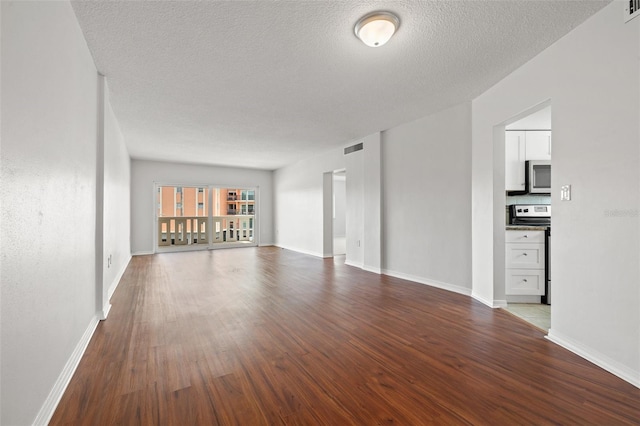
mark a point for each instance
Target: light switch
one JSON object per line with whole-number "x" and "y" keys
{"x": 565, "y": 193}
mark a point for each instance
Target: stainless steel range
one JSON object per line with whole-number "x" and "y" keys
{"x": 530, "y": 214}
{"x": 536, "y": 215}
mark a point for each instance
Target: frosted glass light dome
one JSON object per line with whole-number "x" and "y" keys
{"x": 375, "y": 29}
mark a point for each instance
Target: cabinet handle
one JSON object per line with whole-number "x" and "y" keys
{"x": 524, "y": 254}
{"x": 524, "y": 279}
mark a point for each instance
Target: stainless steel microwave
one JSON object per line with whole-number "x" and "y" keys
{"x": 538, "y": 177}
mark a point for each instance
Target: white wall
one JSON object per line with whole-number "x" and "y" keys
{"x": 145, "y": 173}
{"x": 364, "y": 205}
{"x": 355, "y": 208}
{"x": 372, "y": 203}
{"x": 299, "y": 193}
{"x": 426, "y": 171}
{"x": 116, "y": 207}
{"x": 591, "y": 77}
{"x": 49, "y": 128}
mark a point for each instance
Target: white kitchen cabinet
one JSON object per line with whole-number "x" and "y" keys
{"x": 514, "y": 161}
{"x": 520, "y": 146}
{"x": 524, "y": 282}
{"x": 525, "y": 263}
{"x": 516, "y": 236}
{"x": 538, "y": 145}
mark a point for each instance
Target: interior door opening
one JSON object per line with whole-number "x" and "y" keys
{"x": 527, "y": 282}
{"x": 339, "y": 213}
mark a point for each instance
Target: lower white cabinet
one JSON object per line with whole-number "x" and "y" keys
{"x": 525, "y": 263}
{"x": 524, "y": 282}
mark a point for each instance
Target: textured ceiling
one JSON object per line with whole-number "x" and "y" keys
{"x": 261, "y": 84}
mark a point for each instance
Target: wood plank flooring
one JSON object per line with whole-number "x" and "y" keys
{"x": 258, "y": 336}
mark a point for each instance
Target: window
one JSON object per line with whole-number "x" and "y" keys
{"x": 180, "y": 210}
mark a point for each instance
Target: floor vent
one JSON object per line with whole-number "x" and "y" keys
{"x": 358, "y": 146}
{"x": 631, "y": 9}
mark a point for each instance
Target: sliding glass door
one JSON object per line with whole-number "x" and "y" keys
{"x": 205, "y": 217}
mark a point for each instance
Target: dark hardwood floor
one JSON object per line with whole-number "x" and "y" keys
{"x": 257, "y": 336}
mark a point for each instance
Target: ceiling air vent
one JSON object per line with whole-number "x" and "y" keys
{"x": 358, "y": 146}
{"x": 631, "y": 9}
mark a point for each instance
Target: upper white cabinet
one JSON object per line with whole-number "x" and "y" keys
{"x": 514, "y": 161}
{"x": 538, "y": 145}
{"x": 520, "y": 146}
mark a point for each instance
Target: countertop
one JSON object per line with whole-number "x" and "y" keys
{"x": 525, "y": 228}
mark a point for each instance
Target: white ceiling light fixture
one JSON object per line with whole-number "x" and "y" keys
{"x": 376, "y": 28}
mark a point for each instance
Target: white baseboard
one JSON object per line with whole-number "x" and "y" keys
{"x": 51, "y": 403}
{"x": 112, "y": 288}
{"x": 310, "y": 253}
{"x": 142, "y": 253}
{"x": 601, "y": 360}
{"x": 497, "y": 303}
{"x": 523, "y": 299}
{"x": 105, "y": 311}
{"x": 375, "y": 270}
{"x": 354, "y": 264}
{"x": 481, "y": 299}
{"x": 266, "y": 245}
{"x": 427, "y": 281}
{"x": 116, "y": 281}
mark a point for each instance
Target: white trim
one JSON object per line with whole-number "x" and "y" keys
{"x": 599, "y": 359}
{"x": 354, "y": 264}
{"x": 430, "y": 282}
{"x": 482, "y": 300}
{"x": 142, "y": 253}
{"x": 497, "y": 303}
{"x": 310, "y": 253}
{"x": 116, "y": 280}
{"x": 50, "y": 404}
{"x": 266, "y": 245}
{"x": 374, "y": 269}
{"x": 105, "y": 311}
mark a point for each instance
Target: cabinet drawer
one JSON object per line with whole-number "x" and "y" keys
{"x": 524, "y": 256}
{"x": 524, "y": 282}
{"x": 524, "y": 237}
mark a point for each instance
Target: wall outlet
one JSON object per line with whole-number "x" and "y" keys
{"x": 565, "y": 193}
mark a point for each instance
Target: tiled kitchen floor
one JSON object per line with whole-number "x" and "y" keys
{"x": 536, "y": 314}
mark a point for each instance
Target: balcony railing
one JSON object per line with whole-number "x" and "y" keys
{"x": 181, "y": 231}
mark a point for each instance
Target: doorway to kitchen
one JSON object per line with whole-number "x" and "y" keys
{"x": 339, "y": 213}
{"x": 334, "y": 215}
{"x": 528, "y": 144}
{"x": 204, "y": 217}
